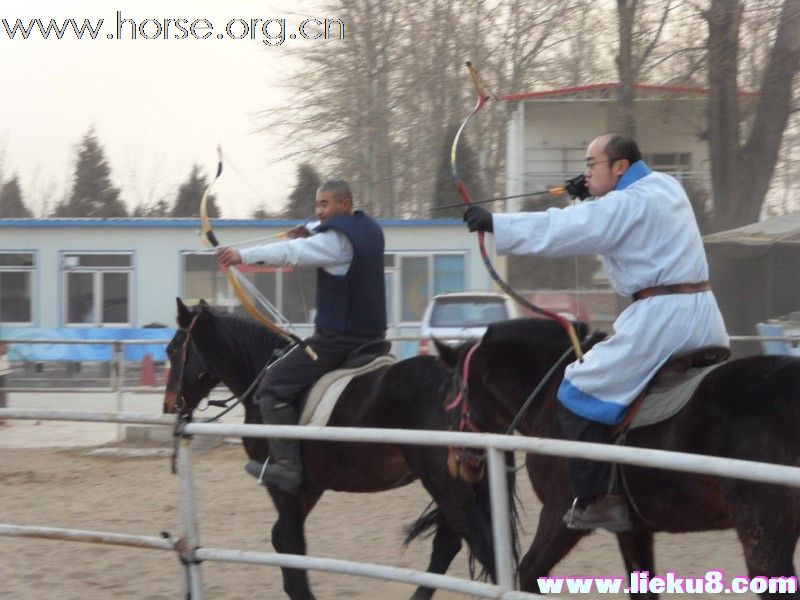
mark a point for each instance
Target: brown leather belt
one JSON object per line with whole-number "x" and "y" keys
{"x": 675, "y": 288}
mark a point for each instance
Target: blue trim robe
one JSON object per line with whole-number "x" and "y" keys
{"x": 646, "y": 235}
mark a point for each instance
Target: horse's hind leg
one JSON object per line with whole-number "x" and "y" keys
{"x": 552, "y": 542}
{"x": 288, "y": 537}
{"x": 637, "y": 552}
{"x": 446, "y": 544}
{"x": 769, "y": 537}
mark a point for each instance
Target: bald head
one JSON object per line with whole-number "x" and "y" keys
{"x": 607, "y": 158}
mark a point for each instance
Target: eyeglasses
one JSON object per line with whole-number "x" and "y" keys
{"x": 591, "y": 163}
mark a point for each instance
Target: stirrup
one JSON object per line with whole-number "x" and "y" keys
{"x": 570, "y": 513}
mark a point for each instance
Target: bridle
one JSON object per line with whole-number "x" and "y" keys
{"x": 473, "y": 458}
{"x": 462, "y": 399}
{"x": 206, "y": 373}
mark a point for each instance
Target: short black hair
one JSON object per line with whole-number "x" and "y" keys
{"x": 339, "y": 187}
{"x": 621, "y": 146}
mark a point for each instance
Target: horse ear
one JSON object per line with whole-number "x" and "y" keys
{"x": 203, "y": 302}
{"x": 184, "y": 314}
{"x": 447, "y": 354}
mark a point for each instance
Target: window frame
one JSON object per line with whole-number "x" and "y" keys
{"x": 97, "y": 273}
{"x": 32, "y": 270}
{"x": 431, "y": 274}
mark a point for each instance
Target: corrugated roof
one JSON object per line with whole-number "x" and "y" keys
{"x": 599, "y": 90}
{"x": 784, "y": 229}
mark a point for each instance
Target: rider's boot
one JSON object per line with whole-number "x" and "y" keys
{"x": 283, "y": 469}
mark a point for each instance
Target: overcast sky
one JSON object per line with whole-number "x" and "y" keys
{"x": 157, "y": 105}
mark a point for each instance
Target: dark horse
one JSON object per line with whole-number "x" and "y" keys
{"x": 211, "y": 347}
{"x": 746, "y": 409}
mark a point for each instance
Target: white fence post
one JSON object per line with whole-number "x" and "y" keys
{"x": 190, "y": 535}
{"x": 119, "y": 382}
{"x": 501, "y": 519}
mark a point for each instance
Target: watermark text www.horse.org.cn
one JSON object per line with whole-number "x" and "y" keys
{"x": 640, "y": 582}
{"x": 270, "y": 31}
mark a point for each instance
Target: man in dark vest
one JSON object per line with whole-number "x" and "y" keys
{"x": 347, "y": 249}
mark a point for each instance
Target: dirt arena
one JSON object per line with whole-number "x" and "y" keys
{"x": 129, "y": 489}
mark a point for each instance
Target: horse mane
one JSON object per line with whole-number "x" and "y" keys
{"x": 543, "y": 332}
{"x": 246, "y": 336}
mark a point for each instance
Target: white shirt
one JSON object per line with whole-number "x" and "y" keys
{"x": 330, "y": 250}
{"x": 5, "y": 365}
{"x": 646, "y": 235}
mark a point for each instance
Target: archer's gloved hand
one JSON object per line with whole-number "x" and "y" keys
{"x": 576, "y": 187}
{"x": 478, "y": 218}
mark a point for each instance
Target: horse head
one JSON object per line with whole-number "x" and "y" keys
{"x": 191, "y": 379}
{"x": 484, "y": 393}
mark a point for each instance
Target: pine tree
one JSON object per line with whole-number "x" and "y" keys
{"x": 445, "y": 192}
{"x": 11, "y": 205}
{"x": 301, "y": 200}
{"x": 157, "y": 210}
{"x": 189, "y": 195}
{"x": 93, "y": 194}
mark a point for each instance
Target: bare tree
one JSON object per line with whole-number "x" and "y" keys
{"x": 376, "y": 109}
{"x": 741, "y": 173}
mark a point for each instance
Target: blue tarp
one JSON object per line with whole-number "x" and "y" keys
{"x": 85, "y": 352}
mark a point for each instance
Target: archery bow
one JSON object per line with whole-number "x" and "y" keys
{"x": 566, "y": 324}
{"x": 237, "y": 280}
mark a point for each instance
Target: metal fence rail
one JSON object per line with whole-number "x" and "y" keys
{"x": 495, "y": 444}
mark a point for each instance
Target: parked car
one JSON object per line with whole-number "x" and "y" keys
{"x": 454, "y": 317}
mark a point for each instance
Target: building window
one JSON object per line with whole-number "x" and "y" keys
{"x": 97, "y": 288}
{"x": 292, "y": 291}
{"x": 16, "y": 287}
{"x": 299, "y": 294}
{"x": 420, "y": 278}
{"x": 669, "y": 161}
{"x": 411, "y": 280}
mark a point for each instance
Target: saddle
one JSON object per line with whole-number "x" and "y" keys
{"x": 671, "y": 388}
{"x": 321, "y": 399}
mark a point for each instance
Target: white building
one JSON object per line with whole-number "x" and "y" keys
{"x": 126, "y": 273}
{"x": 549, "y": 132}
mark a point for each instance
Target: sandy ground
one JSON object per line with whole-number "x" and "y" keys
{"x": 73, "y": 475}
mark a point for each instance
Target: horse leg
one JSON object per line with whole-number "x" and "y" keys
{"x": 446, "y": 544}
{"x": 552, "y": 542}
{"x": 768, "y": 547}
{"x": 637, "y": 552}
{"x": 288, "y": 537}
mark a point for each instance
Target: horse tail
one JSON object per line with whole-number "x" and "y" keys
{"x": 424, "y": 525}
{"x": 483, "y": 498}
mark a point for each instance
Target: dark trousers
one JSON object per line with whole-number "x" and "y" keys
{"x": 292, "y": 374}
{"x": 590, "y": 479}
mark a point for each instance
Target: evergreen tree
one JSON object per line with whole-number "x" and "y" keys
{"x": 11, "y": 205}
{"x": 301, "y": 200}
{"x": 445, "y": 192}
{"x": 93, "y": 194}
{"x": 264, "y": 213}
{"x": 158, "y": 210}
{"x": 189, "y": 195}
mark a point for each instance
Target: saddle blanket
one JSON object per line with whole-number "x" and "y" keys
{"x": 325, "y": 393}
{"x": 661, "y": 403}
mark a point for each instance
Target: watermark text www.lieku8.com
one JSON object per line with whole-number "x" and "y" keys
{"x": 641, "y": 582}
{"x": 271, "y": 32}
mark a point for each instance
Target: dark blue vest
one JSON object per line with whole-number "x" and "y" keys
{"x": 354, "y": 303}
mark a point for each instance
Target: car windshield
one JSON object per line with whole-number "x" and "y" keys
{"x": 467, "y": 312}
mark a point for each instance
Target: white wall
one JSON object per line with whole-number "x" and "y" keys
{"x": 157, "y": 252}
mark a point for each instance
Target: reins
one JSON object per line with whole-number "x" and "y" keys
{"x": 529, "y": 400}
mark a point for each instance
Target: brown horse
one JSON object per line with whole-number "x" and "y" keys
{"x": 746, "y": 409}
{"x": 211, "y": 347}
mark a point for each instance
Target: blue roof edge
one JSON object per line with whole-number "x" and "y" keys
{"x": 194, "y": 223}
